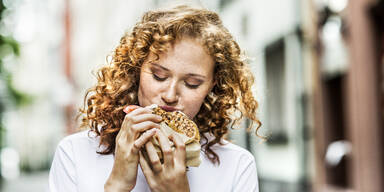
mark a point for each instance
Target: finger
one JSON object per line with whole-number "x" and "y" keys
{"x": 180, "y": 148}
{"x": 165, "y": 148}
{"x": 130, "y": 108}
{"x": 143, "y": 126}
{"x": 147, "y": 117}
{"x": 128, "y": 119}
{"x": 153, "y": 157}
{"x": 138, "y": 111}
{"x": 144, "y": 138}
{"x": 145, "y": 166}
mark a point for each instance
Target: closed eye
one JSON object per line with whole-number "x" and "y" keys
{"x": 193, "y": 83}
{"x": 158, "y": 78}
{"x": 191, "y": 86}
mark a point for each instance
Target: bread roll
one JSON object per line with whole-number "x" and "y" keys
{"x": 178, "y": 123}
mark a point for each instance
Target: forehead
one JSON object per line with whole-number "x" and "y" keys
{"x": 186, "y": 55}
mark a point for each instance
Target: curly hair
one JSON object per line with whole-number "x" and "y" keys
{"x": 118, "y": 82}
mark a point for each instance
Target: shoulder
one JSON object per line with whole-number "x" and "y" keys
{"x": 73, "y": 154}
{"x": 83, "y": 140}
{"x": 244, "y": 167}
{"x": 232, "y": 157}
{"x": 232, "y": 150}
{"x": 86, "y": 135}
{"x": 227, "y": 149}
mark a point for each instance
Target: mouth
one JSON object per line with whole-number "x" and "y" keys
{"x": 168, "y": 108}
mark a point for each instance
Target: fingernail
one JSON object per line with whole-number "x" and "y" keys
{"x": 130, "y": 108}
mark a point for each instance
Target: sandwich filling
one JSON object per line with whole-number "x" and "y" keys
{"x": 179, "y": 122}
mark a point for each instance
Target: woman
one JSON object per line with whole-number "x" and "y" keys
{"x": 183, "y": 59}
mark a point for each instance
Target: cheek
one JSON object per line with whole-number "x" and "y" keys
{"x": 147, "y": 90}
{"x": 193, "y": 102}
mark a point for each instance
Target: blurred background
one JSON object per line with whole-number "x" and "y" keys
{"x": 319, "y": 68}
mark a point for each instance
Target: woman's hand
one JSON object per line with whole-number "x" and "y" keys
{"x": 129, "y": 141}
{"x": 171, "y": 175}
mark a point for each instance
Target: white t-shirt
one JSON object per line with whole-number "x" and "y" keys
{"x": 77, "y": 167}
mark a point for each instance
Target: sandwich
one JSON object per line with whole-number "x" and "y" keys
{"x": 178, "y": 123}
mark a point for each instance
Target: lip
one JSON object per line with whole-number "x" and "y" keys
{"x": 169, "y": 108}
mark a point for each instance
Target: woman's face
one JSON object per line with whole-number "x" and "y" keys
{"x": 179, "y": 80}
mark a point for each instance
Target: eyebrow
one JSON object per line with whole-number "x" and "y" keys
{"x": 188, "y": 74}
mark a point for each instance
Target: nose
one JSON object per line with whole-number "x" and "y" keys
{"x": 170, "y": 96}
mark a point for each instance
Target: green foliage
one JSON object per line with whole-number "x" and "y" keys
{"x": 9, "y": 95}
{"x": 10, "y": 42}
{"x": 8, "y": 46}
